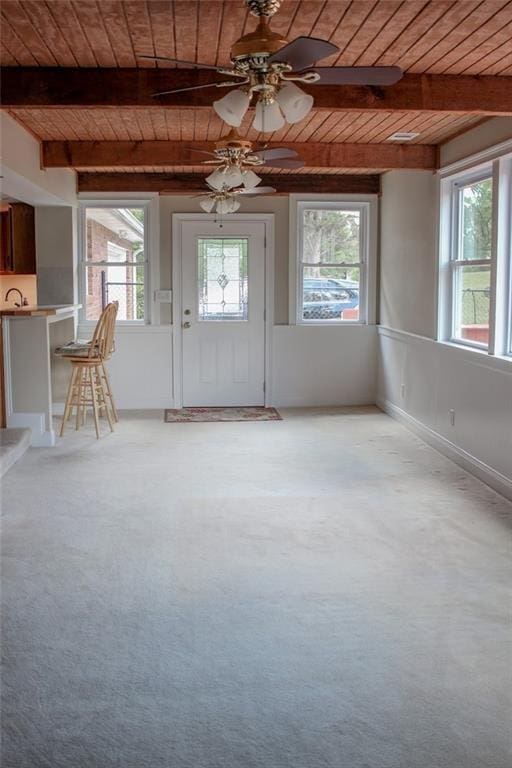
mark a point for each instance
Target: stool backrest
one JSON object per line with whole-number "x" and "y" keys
{"x": 102, "y": 344}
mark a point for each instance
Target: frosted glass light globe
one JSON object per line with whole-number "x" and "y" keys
{"x": 250, "y": 179}
{"x": 207, "y": 204}
{"x": 294, "y": 102}
{"x": 217, "y": 179}
{"x": 268, "y": 117}
{"x": 232, "y": 107}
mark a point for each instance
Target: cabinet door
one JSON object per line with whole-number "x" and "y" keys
{"x": 23, "y": 239}
{"x": 6, "y": 264}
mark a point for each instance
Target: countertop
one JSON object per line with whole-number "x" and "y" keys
{"x": 38, "y": 311}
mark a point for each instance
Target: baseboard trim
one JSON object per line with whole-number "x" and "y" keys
{"x": 467, "y": 461}
{"x": 39, "y": 437}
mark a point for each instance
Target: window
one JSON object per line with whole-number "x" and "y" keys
{"x": 475, "y": 296}
{"x": 114, "y": 260}
{"x": 332, "y": 259}
{"x": 471, "y": 261}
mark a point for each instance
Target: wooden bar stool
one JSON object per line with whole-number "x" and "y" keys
{"x": 90, "y": 384}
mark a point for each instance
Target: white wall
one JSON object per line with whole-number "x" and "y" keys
{"x": 485, "y": 135}
{"x": 420, "y": 381}
{"x": 407, "y": 251}
{"x": 24, "y": 179}
{"x": 324, "y": 365}
{"x": 311, "y": 365}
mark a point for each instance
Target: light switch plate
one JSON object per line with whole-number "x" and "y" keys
{"x": 165, "y": 297}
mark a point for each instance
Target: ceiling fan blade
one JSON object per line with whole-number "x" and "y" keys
{"x": 256, "y": 191}
{"x": 285, "y": 162}
{"x": 358, "y": 75}
{"x": 193, "y": 88}
{"x": 197, "y": 64}
{"x": 303, "y": 52}
{"x": 274, "y": 153}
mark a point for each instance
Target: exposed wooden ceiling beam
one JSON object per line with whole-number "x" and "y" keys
{"x": 122, "y": 154}
{"x": 190, "y": 183}
{"x": 36, "y": 87}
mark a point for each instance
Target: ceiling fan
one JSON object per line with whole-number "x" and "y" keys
{"x": 268, "y": 66}
{"x": 234, "y": 159}
{"x": 226, "y": 200}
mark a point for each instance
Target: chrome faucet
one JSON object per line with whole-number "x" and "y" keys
{"x": 23, "y": 300}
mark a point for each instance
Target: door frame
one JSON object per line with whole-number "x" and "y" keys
{"x": 178, "y": 219}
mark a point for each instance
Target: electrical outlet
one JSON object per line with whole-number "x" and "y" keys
{"x": 452, "y": 417}
{"x": 402, "y": 390}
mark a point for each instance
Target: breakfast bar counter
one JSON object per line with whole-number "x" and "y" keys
{"x": 29, "y": 335}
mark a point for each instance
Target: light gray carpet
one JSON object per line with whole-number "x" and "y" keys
{"x": 319, "y": 592}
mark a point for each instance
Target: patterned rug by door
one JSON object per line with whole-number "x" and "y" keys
{"x": 256, "y": 413}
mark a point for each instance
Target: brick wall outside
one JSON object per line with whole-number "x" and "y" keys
{"x": 98, "y": 237}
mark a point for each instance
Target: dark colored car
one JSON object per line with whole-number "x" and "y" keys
{"x": 327, "y": 298}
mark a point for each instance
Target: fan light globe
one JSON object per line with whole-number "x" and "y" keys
{"x": 294, "y": 102}
{"x": 268, "y": 117}
{"x": 217, "y": 179}
{"x": 225, "y": 206}
{"x": 207, "y": 204}
{"x": 232, "y": 107}
{"x": 233, "y": 176}
{"x": 250, "y": 179}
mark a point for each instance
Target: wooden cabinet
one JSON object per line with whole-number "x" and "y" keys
{"x": 17, "y": 239}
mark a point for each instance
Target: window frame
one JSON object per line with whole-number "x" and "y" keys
{"x": 84, "y": 263}
{"x": 452, "y": 180}
{"x": 366, "y": 206}
{"x": 456, "y": 264}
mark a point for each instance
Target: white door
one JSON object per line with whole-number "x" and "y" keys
{"x": 223, "y": 313}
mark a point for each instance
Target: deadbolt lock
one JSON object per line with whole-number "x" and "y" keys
{"x": 187, "y": 312}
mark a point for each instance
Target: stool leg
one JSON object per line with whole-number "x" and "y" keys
{"x": 108, "y": 390}
{"x": 103, "y": 395}
{"x": 94, "y": 402}
{"x": 80, "y": 394}
{"x": 69, "y": 397}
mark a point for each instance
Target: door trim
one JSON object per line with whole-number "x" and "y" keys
{"x": 178, "y": 219}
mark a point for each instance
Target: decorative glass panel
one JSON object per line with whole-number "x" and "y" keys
{"x": 331, "y": 236}
{"x": 222, "y": 278}
{"x": 330, "y": 293}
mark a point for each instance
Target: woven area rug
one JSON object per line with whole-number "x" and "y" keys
{"x": 255, "y": 413}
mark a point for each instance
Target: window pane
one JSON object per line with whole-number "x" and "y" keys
{"x": 115, "y": 235}
{"x": 472, "y": 302}
{"x": 330, "y": 293}
{"x": 222, "y": 282}
{"x": 476, "y": 222}
{"x": 331, "y": 236}
{"x": 124, "y": 284}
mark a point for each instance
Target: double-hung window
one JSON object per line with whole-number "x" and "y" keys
{"x": 332, "y": 239}
{"x": 471, "y": 260}
{"x": 114, "y": 259}
{"x": 476, "y": 258}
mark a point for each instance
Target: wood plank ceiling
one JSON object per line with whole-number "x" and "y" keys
{"x": 438, "y": 37}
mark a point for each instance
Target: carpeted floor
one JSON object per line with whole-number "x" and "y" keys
{"x": 319, "y": 592}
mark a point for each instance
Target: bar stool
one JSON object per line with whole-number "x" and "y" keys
{"x": 89, "y": 384}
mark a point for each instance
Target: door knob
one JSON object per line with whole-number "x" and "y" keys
{"x": 186, "y": 325}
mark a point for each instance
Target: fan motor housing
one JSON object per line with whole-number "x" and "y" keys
{"x": 256, "y": 46}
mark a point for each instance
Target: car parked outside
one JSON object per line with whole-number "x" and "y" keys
{"x": 328, "y": 298}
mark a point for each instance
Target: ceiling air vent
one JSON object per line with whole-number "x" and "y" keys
{"x": 403, "y": 136}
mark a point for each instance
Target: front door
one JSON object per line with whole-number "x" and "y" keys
{"x": 223, "y": 313}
